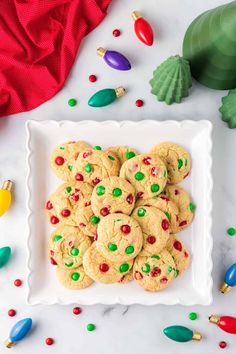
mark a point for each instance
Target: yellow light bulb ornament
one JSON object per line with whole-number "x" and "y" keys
{"x": 5, "y": 196}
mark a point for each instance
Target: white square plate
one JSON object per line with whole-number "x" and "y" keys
{"x": 195, "y": 286}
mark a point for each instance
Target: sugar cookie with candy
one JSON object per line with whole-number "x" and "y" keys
{"x": 103, "y": 270}
{"x": 124, "y": 153}
{"x": 179, "y": 252}
{"x": 113, "y": 195}
{"x": 64, "y": 156}
{"x": 176, "y": 158}
{"x": 155, "y": 227}
{"x": 166, "y": 205}
{"x": 73, "y": 279}
{"x": 125, "y": 279}
{"x": 147, "y": 173}
{"x": 67, "y": 245}
{"x": 120, "y": 237}
{"x": 155, "y": 272}
{"x": 186, "y": 208}
{"x": 92, "y": 166}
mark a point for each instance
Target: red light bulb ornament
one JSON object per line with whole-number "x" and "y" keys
{"x": 229, "y": 279}
{"x": 142, "y": 29}
{"x": 226, "y": 323}
{"x": 114, "y": 59}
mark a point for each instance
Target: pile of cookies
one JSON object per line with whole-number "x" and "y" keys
{"x": 117, "y": 214}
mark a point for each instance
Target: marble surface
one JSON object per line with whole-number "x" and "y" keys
{"x": 121, "y": 329}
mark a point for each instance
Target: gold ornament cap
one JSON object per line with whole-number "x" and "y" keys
{"x": 196, "y": 336}
{"x": 101, "y": 51}
{"x": 136, "y": 15}
{"x": 9, "y": 344}
{"x": 7, "y": 185}
{"x": 225, "y": 288}
{"x": 214, "y": 319}
{"x": 120, "y": 91}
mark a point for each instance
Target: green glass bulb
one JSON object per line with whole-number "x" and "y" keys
{"x": 105, "y": 97}
{"x": 5, "y": 254}
{"x": 181, "y": 334}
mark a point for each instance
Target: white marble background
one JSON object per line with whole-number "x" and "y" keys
{"x": 121, "y": 329}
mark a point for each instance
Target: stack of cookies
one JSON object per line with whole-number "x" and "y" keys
{"x": 117, "y": 214}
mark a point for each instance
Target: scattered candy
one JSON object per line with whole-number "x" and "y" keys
{"x": 49, "y": 341}
{"x": 76, "y": 310}
{"x": 222, "y": 344}
{"x": 226, "y": 323}
{"x": 18, "y": 332}
{"x": 229, "y": 279}
{"x": 114, "y": 59}
{"x": 116, "y": 32}
{"x": 91, "y": 327}
{"x": 105, "y": 97}
{"x": 92, "y": 78}
{"x": 231, "y": 231}
{"x": 181, "y": 334}
{"x": 192, "y": 316}
{"x": 72, "y": 102}
{"x": 11, "y": 313}
{"x": 139, "y": 103}
{"x": 5, "y": 196}
{"x": 18, "y": 282}
{"x": 142, "y": 29}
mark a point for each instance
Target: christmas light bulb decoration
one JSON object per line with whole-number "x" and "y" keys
{"x": 105, "y": 97}
{"x": 142, "y": 29}
{"x": 226, "y": 323}
{"x": 18, "y": 332}
{"x": 181, "y": 334}
{"x": 229, "y": 279}
{"x": 5, "y": 254}
{"x": 5, "y": 196}
{"x": 114, "y": 59}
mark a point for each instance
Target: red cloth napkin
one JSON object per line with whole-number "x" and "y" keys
{"x": 39, "y": 40}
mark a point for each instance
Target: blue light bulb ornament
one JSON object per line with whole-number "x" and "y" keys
{"x": 114, "y": 59}
{"x": 18, "y": 332}
{"x": 229, "y": 279}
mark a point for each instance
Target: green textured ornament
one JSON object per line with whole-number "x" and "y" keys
{"x": 210, "y": 46}
{"x": 181, "y": 334}
{"x": 171, "y": 80}
{"x": 5, "y": 254}
{"x": 228, "y": 109}
{"x": 105, "y": 97}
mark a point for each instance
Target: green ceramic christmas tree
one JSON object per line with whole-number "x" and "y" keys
{"x": 210, "y": 47}
{"x": 171, "y": 80}
{"x": 228, "y": 109}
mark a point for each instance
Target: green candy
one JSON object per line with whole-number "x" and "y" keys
{"x": 100, "y": 190}
{"x": 68, "y": 189}
{"x": 155, "y": 188}
{"x": 168, "y": 215}
{"x": 176, "y": 273}
{"x": 75, "y": 276}
{"x": 180, "y": 164}
{"x": 112, "y": 247}
{"x": 129, "y": 154}
{"x": 192, "y": 207}
{"x": 111, "y": 157}
{"x": 141, "y": 212}
{"x": 169, "y": 269}
{"x": 74, "y": 251}
{"x": 146, "y": 268}
{"x": 139, "y": 176}
{"x": 70, "y": 167}
{"x": 88, "y": 168}
{"x": 91, "y": 327}
{"x": 231, "y": 231}
{"x": 124, "y": 267}
{"x": 116, "y": 192}
{"x": 95, "y": 220}
{"x": 192, "y": 316}
{"x": 97, "y": 147}
{"x": 156, "y": 257}
{"x": 62, "y": 148}
{"x": 69, "y": 264}
{"x": 185, "y": 162}
{"x": 129, "y": 250}
{"x": 72, "y": 102}
{"x": 57, "y": 238}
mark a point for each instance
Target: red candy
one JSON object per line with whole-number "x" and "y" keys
{"x": 186, "y": 175}
{"x": 163, "y": 280}
{"x": 76, "y": 310}
{"x": 151, "y": 239}
{"x": 82, "y": 224}
{"x": 104, "y": 267}
{"x": 79, "y": 177}
{"x": 49, "y": 341}
{"x": 125, "y": 229}
{"x": 116, "y": 32}
{"x": 185, "y": 254}
{"x": 52, "y": 261}
{"x": 130, "y": 199}
{"x": 165, "y": 224}
{"x": 140, "y": 194}
{"x": 147, "y": 160}
{"x": 139, "y": 103}
{"x": 165, "y": 198}
{"x": 54, "y": 220}
{"x": 154, "y": 171}
{"x": 183, "y": 223}
{"x": 65, "y": 213}
{"x": 138, "y": 275}
{"x": 75, "y": 197}
{"x": 92, "y": 78}
{"x": 11, "y": 313}
{"x": 18, "y": 282}
{"x": 155, "y": 272}
{"x": 176, "y": 192}
{"x": 59, "y": 160}
{"x": 86, "y": 204}
{"x": 104, "y": 211}
{"x": 95, "y": 237}
{"x": 87, "y": 153}
{"x": 49, "y": 205}
{"x": 178, "y": 246}
{"x": 95, "y": 181}
{"x": 52, "y": 252}
{"x": 222, "y": 344}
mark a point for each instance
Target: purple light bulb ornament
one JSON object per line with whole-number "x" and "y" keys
{"x": 114, "y": 59}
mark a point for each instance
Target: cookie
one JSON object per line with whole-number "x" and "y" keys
{"x": 64, "y": 156}
{"x": 177, "y": 160}
{"x": 155, "y": 227}
{"x": 92, "y": 166}
{"x": 102, "y": 270}
{"x": 166, "y": 205}
{"x": 125, "y": 279}
{"x": 67, "y": 245}
{"x": 186, "y": 208}
{"x": 73, "y": 279}
{"x": 113, "y": 195}
{"x": 147, "y": 173}
{"x": 155, "y": 272}
{"x": 120, "y": 237}
{"x": 179, "y": 253}
{"x": 124, "y": 153}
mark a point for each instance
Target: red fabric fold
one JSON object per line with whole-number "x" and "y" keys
{"x": 38, "y": 46}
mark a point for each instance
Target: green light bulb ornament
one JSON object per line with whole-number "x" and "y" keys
{"x": 181, "y": 334}
{"x": 5, "y": 254}
{"x": 105, "y": 97}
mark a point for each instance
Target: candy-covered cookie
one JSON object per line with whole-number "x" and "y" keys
{"x": 147, "y": 173}
{"x": 166, "y": 205}
{"x": 186, "y": 208}
{"x": 120, "y": 237}
{"x": 73, "y": 279}
{"x": 64, "y": 156}
{"x": 103, "y": 270}
{"x": 67, "y": 245}
{"x": 176, "y": 158}
{"x": 92, "y": 166}
{"x": 113, "y": 195}
{"x": 155, "y": 227}
{"x": 124, "y": 153}
{"x": 155, "y": 272}
{"x": 179, "y": 252}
